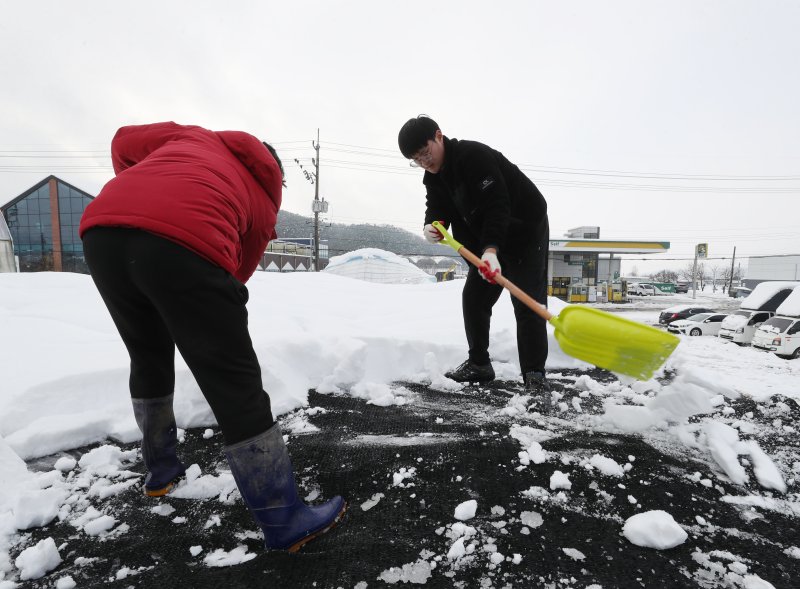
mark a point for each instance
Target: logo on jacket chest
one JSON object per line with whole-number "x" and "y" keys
{"x": 487, "y": 182}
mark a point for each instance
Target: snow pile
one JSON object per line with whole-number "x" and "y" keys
{"x": 74, "y": 390}
{"x": 375, "y": 265}
{"x": 693, "y": 393}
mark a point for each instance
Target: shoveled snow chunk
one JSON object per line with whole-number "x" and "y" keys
{"x": 457, "y": 550}
{"x": 574, "y": 554}
{"x": 371, "y": 502}
{"x": 100, "y": 525}
{"x": 531, "y": 519}
{"x": 607, "y": 466}
{"x": 654, "y": 529}
{"x": 36, "y": 561}
{"x": 164, "y": 509}
{"x": 195, "y": 550}
{"x": 756, "y": 582}
{"x": 220, "y": 558}
{"x": 722, "y": 441}
{"x": 767, "y": 473}
{"x": 560, "y": 480}
{"x": 65, "y": 464}
{"x": 632, "y": 418}
{"x": 38, "y": 508}
{"x": 416, "y": 573}
{"x": 66, "y": 583}
{"x": 466, "y": 510}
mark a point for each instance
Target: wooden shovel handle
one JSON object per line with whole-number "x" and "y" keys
{"x": 529, "y": 301}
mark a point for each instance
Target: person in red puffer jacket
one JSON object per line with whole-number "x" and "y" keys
{"x": 170, "y": 242}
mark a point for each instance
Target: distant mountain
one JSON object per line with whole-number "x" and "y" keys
{"x": 346, "y": 238}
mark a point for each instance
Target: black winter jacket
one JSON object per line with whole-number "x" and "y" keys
{"x": 488, "y": 201}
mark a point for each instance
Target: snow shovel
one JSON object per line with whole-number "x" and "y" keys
{"x": 591, "y": 335}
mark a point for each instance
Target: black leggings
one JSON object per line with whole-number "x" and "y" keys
{"x": 161, "y": 295}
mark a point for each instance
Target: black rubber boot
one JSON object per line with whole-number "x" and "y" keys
{"x": 263, "y": 472}
{"x": 537, "y": 386}
{"x": 156, "y": 421}
{"x": 470, "y": 372}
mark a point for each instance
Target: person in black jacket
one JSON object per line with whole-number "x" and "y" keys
{"x": 495, "y": 210}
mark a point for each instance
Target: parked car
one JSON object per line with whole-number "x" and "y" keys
{"x": 681, "y": 287}
{"x": 741, "y": 325}
{"x": 641, "y": 289}
{"x": 760, "y": 305}
{"x": 700, "y": 324}
{"x": 680, "y": 312}
{"x": 780, "y": 335}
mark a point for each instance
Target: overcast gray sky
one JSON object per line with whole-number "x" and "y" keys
{"x": 673, "y": 121}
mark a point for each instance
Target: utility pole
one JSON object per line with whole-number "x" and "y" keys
{"x": 314, "y": 206}
{"x": 318, "y": 206}
{"x": 733, "y": 259}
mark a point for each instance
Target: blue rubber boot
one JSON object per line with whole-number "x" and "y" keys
{"x": 159, "y": 444}
{"x": 263, "y": 472}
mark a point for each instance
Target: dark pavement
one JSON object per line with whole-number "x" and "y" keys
{"x": 466, "y": 454}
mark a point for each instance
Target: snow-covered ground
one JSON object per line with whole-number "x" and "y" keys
{"x": 64, "y": 375}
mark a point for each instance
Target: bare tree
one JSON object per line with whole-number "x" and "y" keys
{"x": 665, "y": 276}
{"x": 726, "y": 275}
{"x": 715, "y": 271}
{"x": 686, "y": 272}
{"x": 702, "y": 275}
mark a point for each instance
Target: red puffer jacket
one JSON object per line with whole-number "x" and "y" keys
{"x": 216, "y": 193}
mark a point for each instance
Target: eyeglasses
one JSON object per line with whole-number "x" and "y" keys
{"x": 422, "y": 158}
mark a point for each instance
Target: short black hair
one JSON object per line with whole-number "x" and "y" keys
{"x": 277, "y": 160}
{"x": 415, "y": 135}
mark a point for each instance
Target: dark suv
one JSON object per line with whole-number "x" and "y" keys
{"x": 681, "y": 312}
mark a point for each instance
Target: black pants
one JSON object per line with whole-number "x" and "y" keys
{"x": 161, "y": 295}
{"x": 528, "y": 270}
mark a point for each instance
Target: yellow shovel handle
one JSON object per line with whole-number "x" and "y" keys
{"x": 529, "y": 301}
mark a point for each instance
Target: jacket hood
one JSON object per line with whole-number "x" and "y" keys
{"x": 258, "y": 161}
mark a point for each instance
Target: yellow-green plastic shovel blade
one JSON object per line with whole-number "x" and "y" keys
{"x": 611, "y": 342}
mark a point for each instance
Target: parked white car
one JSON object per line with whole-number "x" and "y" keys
{"x": 740, "y": 327}
{"x": 761, "y": 304}
{"x": 780, "y": 335}
{"x": 700, "y": 324}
